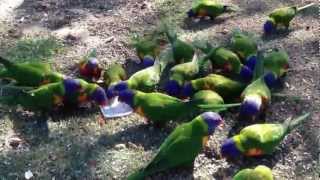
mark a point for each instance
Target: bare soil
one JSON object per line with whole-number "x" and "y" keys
{"x": 78, "y": 148}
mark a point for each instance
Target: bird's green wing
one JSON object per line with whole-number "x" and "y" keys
{"x": 262, "y": 136}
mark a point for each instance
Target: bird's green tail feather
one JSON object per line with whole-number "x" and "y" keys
{"x": 305, "y": 7}
{"x": 169, "y": 32}
{"x": 204, "y": 46}
{"x": 291, "y": 124}
{"x": 5, "y": 62}
{"x": 139, "y": 175}
{"x": 218, "y": 107}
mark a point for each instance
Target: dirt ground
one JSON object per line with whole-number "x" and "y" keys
{"x": 78, "y": 148}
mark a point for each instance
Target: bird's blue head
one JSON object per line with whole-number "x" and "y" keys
{"x": 172, "y": 88}
{"x": 110, "y": 91}
{"x": 99, "y": 96}
{"x": 270, "y": 79}
{"x": 71, "y": 85}
{"x": 251, "y": 62}
{"x": 127, "y": 96}
{"x": 121, "y": 86}
{"x": 251, "y": 106}
{"x": 92, "y": 63}
{"x": 229, "y": 149}
{"x": 213, "y": 120}
{"x": 147, "y": 61}
{"x": 246, "y": 73}
{"x": 187, "y": 90}
{"x": 269, "y": 27}
{"x": 191, "y": 13}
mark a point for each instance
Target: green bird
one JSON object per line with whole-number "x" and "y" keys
{"x": 259, "y": 139}
{"x": 31, "y": 74}
{"x": 259, "y": 173}
{"x": 244, "y": 44}
{"x": 89, "y": 92}
{"x": 209, "y": 8}
{"x": 145, "y": 80}
{"x": 182, "y": 146}
{"x": 225, "y": 87}
{"x": 147, "y": 49}
{"x": 46, "y": 97}
{"x": 113, "y": 75}
{"x": 160, "y": 108}
{"x": 277, "y": 62}
{"x": 227, "y": 62}
{"x": 257, "y": 95}
{"x": 255, "y": 98}
{"x": 282, "y": 17}
{"x": 181, "y": 50}
{"x": 181, "y": 73}
{"x": 275, "y": 65}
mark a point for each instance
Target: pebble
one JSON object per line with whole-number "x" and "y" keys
{"x": 120, "y": 146}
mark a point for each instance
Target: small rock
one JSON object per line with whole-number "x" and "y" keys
{"x": 120, "y": 146}
{"x": 109, "y": 39}
{"x": 28, "y": 174}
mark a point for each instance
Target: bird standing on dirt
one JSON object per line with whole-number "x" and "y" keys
{"x": 160, "y": 108}
{"x": 209, "y": 8}
{"x": 282, "y": 17}
{"x": 244, "y": 44}
{"x": 259, "y": 173}
{"x": 181, "y": 50}
{"x": 145, "y": 80}
{"x": 31, "y": 74}
{"x": 259, "y": 139}
{"x": 147, "y": 49}
{"x": 225, "y": 87}
{"x": 46, "y": 97}
{"x": 113, "y": 75}
{"x": 255, "y": 98}
{"x": 227, "y": 62}
{"x": 182, "y": 146}
{"x": 89, "y": 69}
{"x": 181, "y": 73}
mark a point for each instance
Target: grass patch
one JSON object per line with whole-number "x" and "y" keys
{"x": 34, "y": 49}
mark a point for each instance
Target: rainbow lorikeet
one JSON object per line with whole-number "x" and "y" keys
{"x": 145, "y": 80}
{"x": 225, "y": 87}
{"x": 259, "y": 139}
{"x": 282, "y": 17}
{"x": 259, "y": 173}
{"x": 255, "y": 98}
{"x": 209, "y": 8}
{"x": 46, "y": 97}
{"x": 183, "y": 72}
{"x": 147, "y": 49}
{"x": 226, "y": 61}
{"x": 31, "y": 74}
{"x": 90, "y": 92}
{"x": 113, "y": 75}
{"x": 244, "y": 44}
{"x": 181, "y": 50}
{"x": 276, "y": 63}
{"x": 182, "y": 146}
{"x": 89, "y": 69}
{"x": 160, "y": 108}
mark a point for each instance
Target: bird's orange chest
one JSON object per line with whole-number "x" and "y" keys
{"x": 82, "y": 98}
{"x": 254, "y": 152}
{"x": 139, "y": 110}
{"x": 205, "y": 140}
{"x": 202, "y": 13}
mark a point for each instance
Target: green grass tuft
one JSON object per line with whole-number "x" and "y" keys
{"x": 34, "y": 49}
